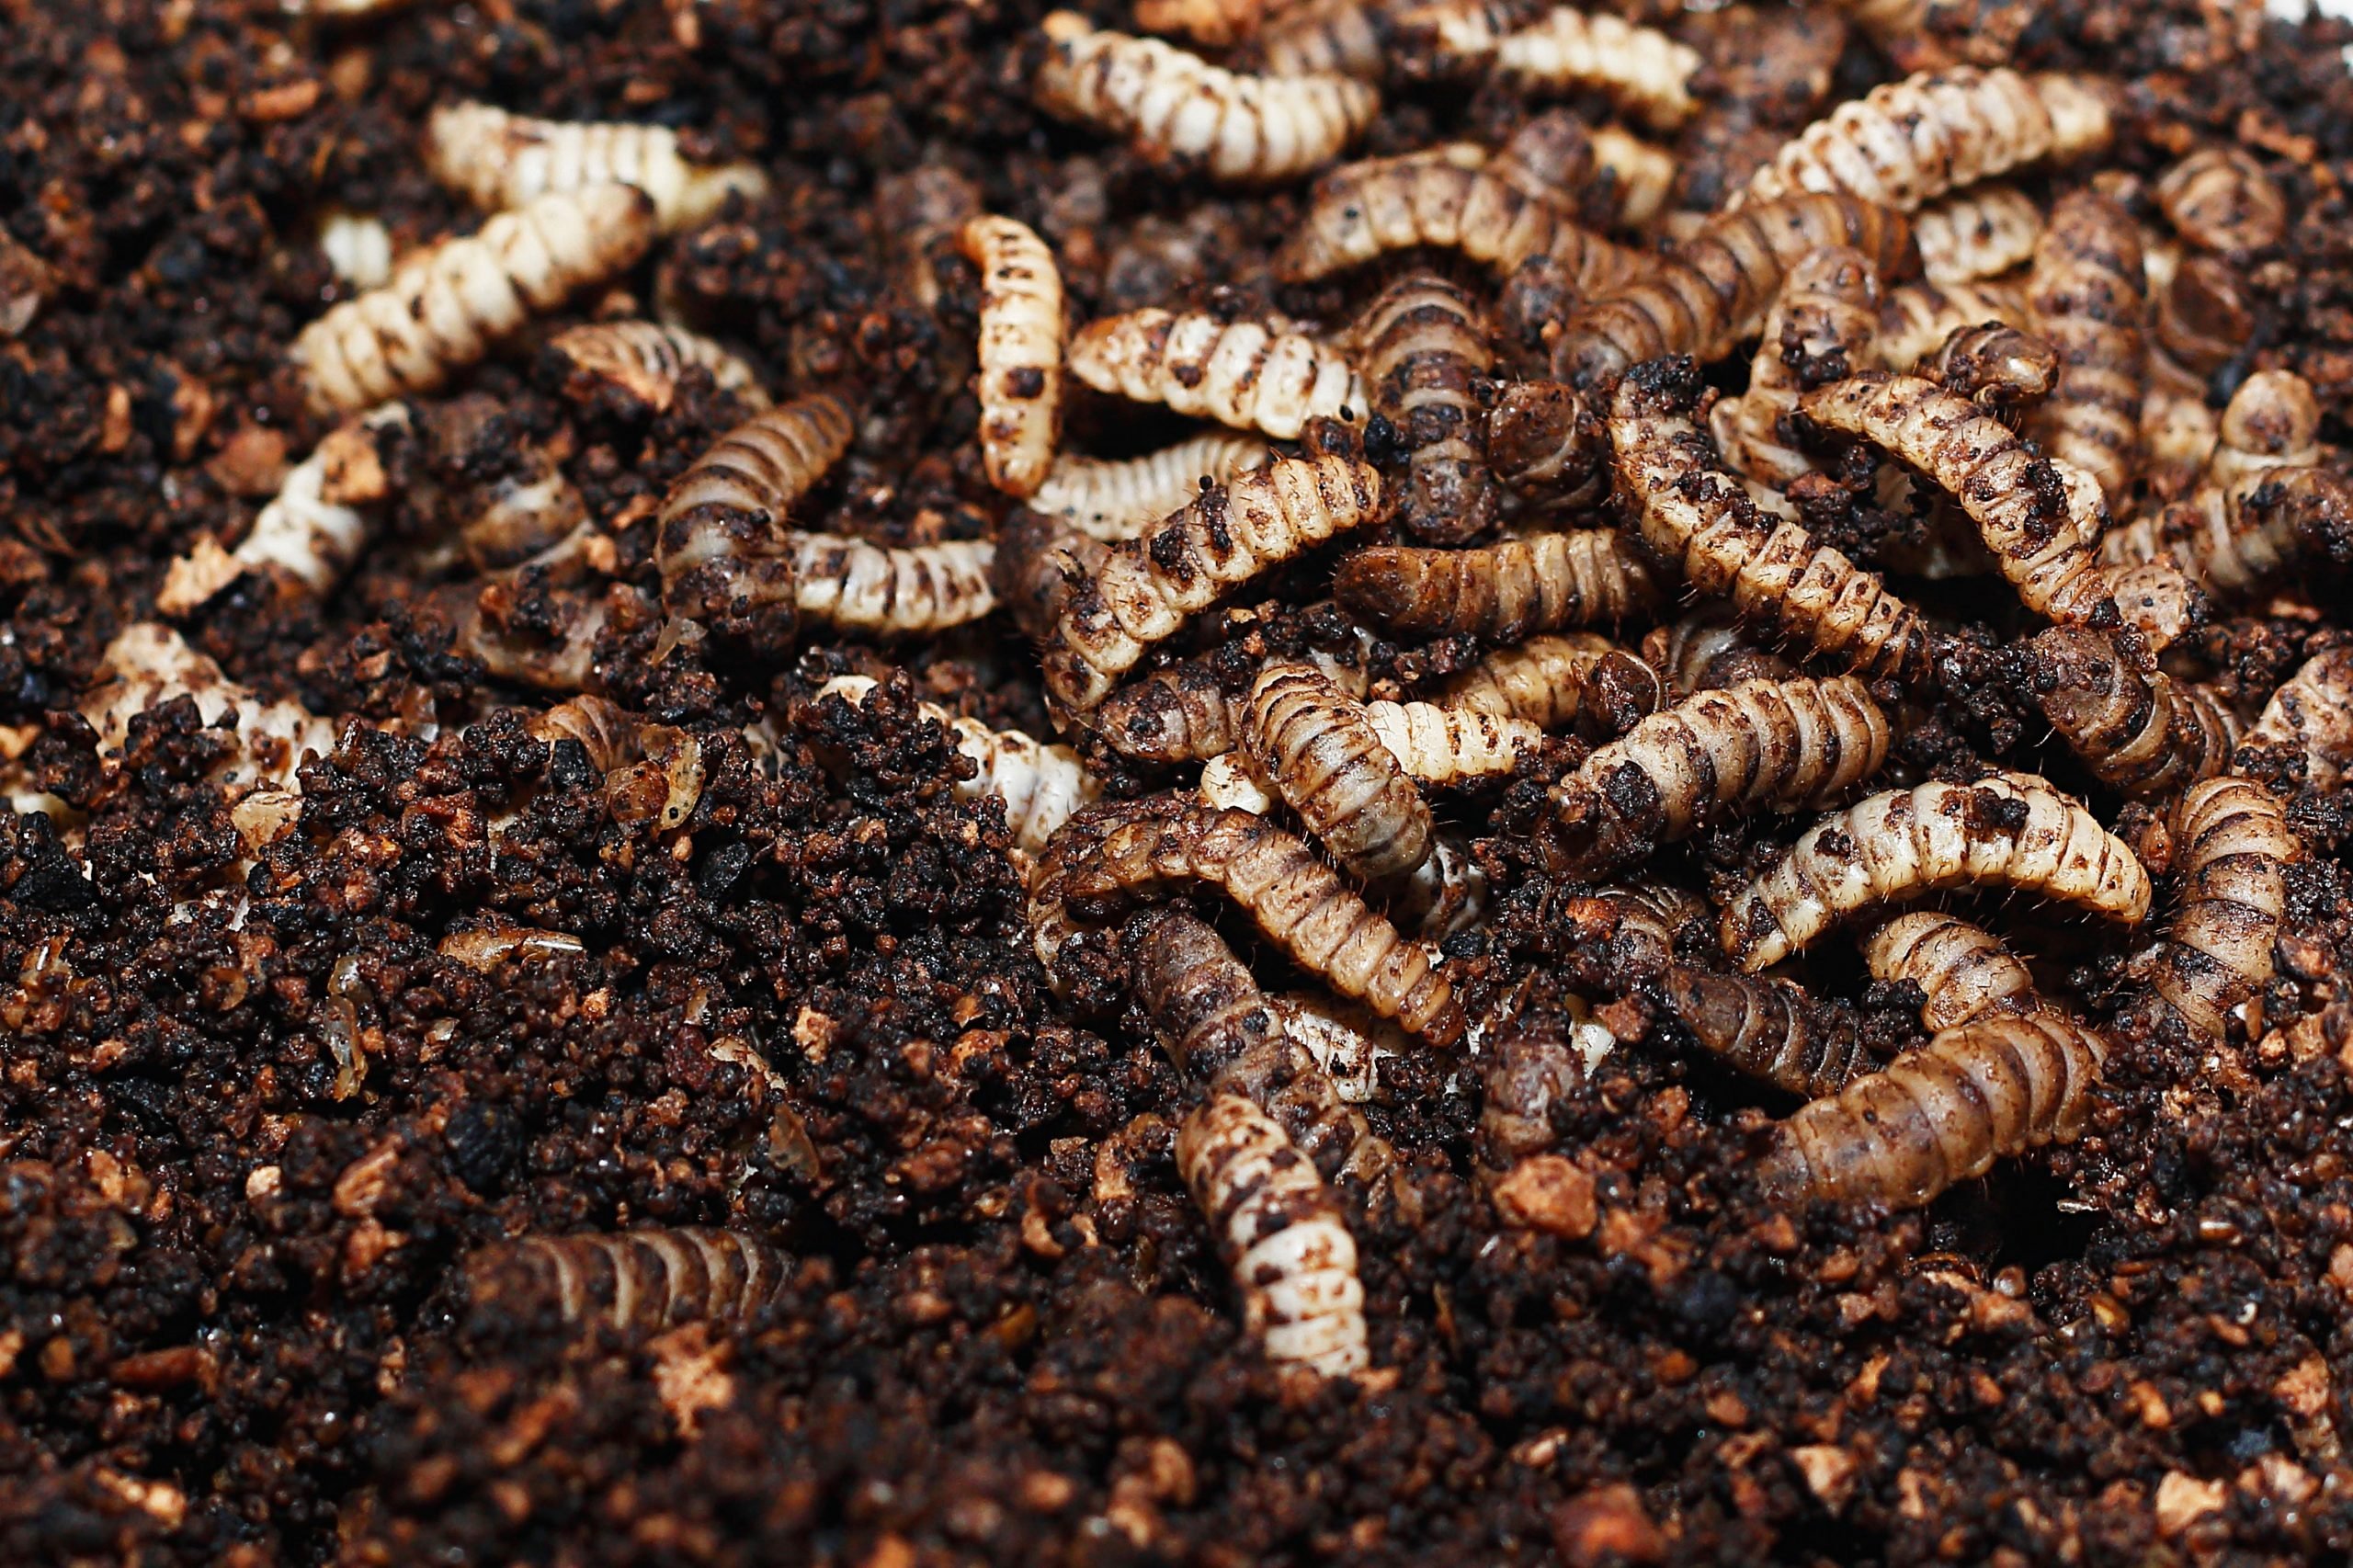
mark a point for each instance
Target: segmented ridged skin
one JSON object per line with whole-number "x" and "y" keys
{"x": 1039, "y": 784}
{"x": 1423, "y": 356}
{"x": 2223, "y": 199}
{"x": 1346, "y": 1041}
{"x": 1217, "y": 23}
{"x": 1317, "y": 747}
{"x": 1916, "y": 318}
{"x": 1941, "y": 1114}
{"x": 1963, "y": 972}
{"x": 2313, "y": 713}
{"x": 1769, "y": 1029}
{"x": 1442, "y": 746}
{"x": 1700, "y": 519}
{"x": 1652, "y": 921}
{"x": 2231, "y": 846}
{"x": 1707, "y": 651}
{"x": 1819, "y": 329}
{"x": 1184, "y": 713}
{"x": 1712, "y": 290}
{"x": 1332, "y": 37}
{"x": 1980, "y": 233}
{"x": 639, "y": 1281}
{"x": 1503, "y": 591}
{"x": 608, "y": 733}
{"x": 2006, "y": 830}
{"x": 1178, "y": 109}
{"x": 2003, "y": 370}
{"x": 1642, "y": 70}
{"x": 1238, "y": 373}
{"x": 1761, "y": 746}
{"x": 1020, "y": 353}
{"x": 306, "y": 537}
{"x": 446, "y": 305}
{"x": 1146, "y": 587}
{"x": 2088, "y": 294}
{"x": 1910, "y": 141}
{"x": 720, "y": 535}
{"x": 1233, "y": 782}
{"x": 1545, "y": 440}
{"x": 2140, "y": 731}
{"x": 1573, "y": 680}
{"x": 646, "y": 361}
{"x": 1362, "y": 211}
{"x": 148, "y": 664}
{"x": 905, "y": 591}
{"x": 500, "y": 160}
{"x": 1281, "y": 1235}
{"x": 1112, "y": 501}
{"x": 1444, "y": 893}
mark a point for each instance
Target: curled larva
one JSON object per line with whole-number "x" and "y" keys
{"x": 1112, "y": 501}
{"x": 2232, "y": 846}
{"x": 1317, "y": 747}
{"x": 1712, "y": 290}
{"x": 1231, "y": 783}
{"x": 2006, "y": 830}
{"x": 1761, "y": 746}
{"x": 1546, "y": 442}
{"x": 1280, "y": 1233}
{"x": 1818, "y": 330}
{"x": 1980, "y": 233}
{"x": 1910, "y": 141}
{"x": 2221, "y": 200}
{"x": 1020, "y": 352}
{"x": 1423, "y": 356}
{"x": 720, "y": 538}
{"x": 1916, "y": 318}
{"x": 1706, "y": 651}
{"x": 1642, "y": 70}
{"x": 907, "y": 591}
{"x": 357, "y": 245}
{"x": 1697, "y": 516}
{"x": 1040, "y": 785}
{"x": 2141, "y": 732}
{"x": 1502, "y": 593}
{"x": 447, "y": 305}
{"x": 1941, "y": 1114}
{"x": 2088, "y": 294}
{"x": 1238, "y": 373}
{"x": 637, "y": 1281}
{"x": 1573, "y": 680}
{"x": 1146, "y": 587}
{"x": 1185, "y": 714}
{"x": 1323, "y": 37}
{"x": 1963, "y": 972}
{"x": 1445, "y": 746}
{"x": 1180, "y": 110}
{"x": 1450, "y": 200}
{"x": 1347, "y": 1042}
{"x": 2002, "y": 370}
{"x": 148, "y": 664}
{"x": 643, "y": 362}
{"x": 2313, "y": 714}
{"x": 1769, "y": 1029}
{"x": 498, "y": 160}
{"x": 611, "y": 735}
{"x": 533, "y": 516}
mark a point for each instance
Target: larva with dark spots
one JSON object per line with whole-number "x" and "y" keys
{"x": 499, "y": 159}
{"x": 1652, "y": 923}
{"x": 1980, "y": 233}
{"x": 1238, "y": 373}
{"x": 1761, "y": 746}
{"x": 1184, "y": 712}
{"x": 1318, "y": 748}
{"x": 1706, "y": 651}
{"x": 1546, "y": 442}
{"x": 1963, "y": 972}
{"x": 1020, "y": 351}
{"x": 2231, "y": 846}
{"x": 2222, "y": 199}
{"x": 1234, "y": 783}
{"x": 2311, "y": 713}
{"x": 720, "y": 538}
{"x": 608, "y": 732}
{"x": 1423, "y": 357}
{"x": 554, "y": 647}
{"x": 1916, "y": 317}
{"x": 1644, "y": 70}
{"x": 2088, "y": 294}
{"x": 1039, "y": 784}
{"x": 639, "y": 1281}
{"x": 644, "y": 361}
{"x": 1769, "y": 1029}
{"x": 1532, "y": 1068}
{"x": 907, "y": 591}
{"x": 1112, "y": 501}
{"x": 2009, "y": 830}
{"x": 148, "y": 664}
{"x": 1323, "y": 37}
{"x": 2142, "y": 732}
{"x": 1819, "y": 329}
{"x": 1346, "y": 1041}
{"x": 2002, "y": 370}
{"x": 1575, "y": 680}
{"x": 1503, "y": 591}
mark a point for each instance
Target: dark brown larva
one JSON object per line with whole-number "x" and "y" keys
{"x": 1546, "y": 442}
{"x": 1423, "y": 356}
{"x": 1502, "y": 593}
{"x": 637, "y": 1281}
{"x": 1315, "y": 744}
{"x": 2088, "y": 294}
{"x": 2001, "y": 368}
{"x": 1963, "y": 972}
{"x": 2142, "y": 732}
{"x": 1769, "y": 1029}
{"x": 2232, "y": 846}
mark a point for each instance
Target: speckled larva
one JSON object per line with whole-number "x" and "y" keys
{"x": 1323, "y": 37}
{"x": 1697, "y": 516}
{"x": 1980, "y": 233}
{"x": 2232, "y": 846}
{"x": 1445, "y": 746}
{"x": 2006, "y": 830}
{"x": 2142, "y": 732}
{"x": 1642, "y": 70}
{"x": 1547, "y": 443}
{"x": 149, "y": 664}
{"x": 498, "y": 160}
{"x": 1346, "y": 1041}
{"x": 534, "y": 515}
{"x": 1653, "y": 922}
{"x": 907, "y": 591}
{"x": 447, "y": 305}
{"x": 2222, "y": 199}
{"x": 1914, "y": 319}
{"x": 1910, "y": 141}
{"x": 1761, "y": 746}
{"x": 1020, "y": 352}
{"x": 1963, "y": 972}
{"x": 638, "y": 1281}
{"x": 2088, "y": 297}
{"x": 1232, "y": 782}
{"x": 357, "y": 245}
{"x": 1423, "y": 357}
{"x": 1146, "y": 587}
{"x": 721, "y": 537}
{"x": 2313, "y": 714}
{"x": 644, "y": 362}
{"x": 1112, "y": 501}
{"x": 1573, "y": 680}
{"x": 1450, "y": 198}
{"x": 1239, "y": 373}
{"x": 1941, "y": 1114}
{"x": 1531, "y": 1068}
{"x": 1769, "y": 1029}
{"x": 1185, "y": 714}
{"x": 1502, "y": 593}
{"x": 1316, "y": 746}
{"x": 608, "y": 733}
{"x": 1178, "y": 110}
{"x": 1707, "y": 651}
{"x": 1819, "y": 329}
{"x": 1040, "y": 785}
{"x": 2002, "y": 370}
{"x": 1280, "y": 1232}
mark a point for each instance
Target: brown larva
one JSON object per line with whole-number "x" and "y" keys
{"x": 1916, "y": 318}
{"x": 1963, "y": 972}
{"x": 1323, "y": 37}
{"x": 1551, "y": 157}
{"x": 1761, "y": 746}
{"x": 1238, "y": 373}
{"x": 1769, "y": 1029}
{"x": 1642, "y": 70}
{"x": 1573, "y": 680}
{"x": 1178, "y": 110}
{"x": 499, "y": 161}
{"x": 908, "y": 591}
{"x": 447, "y": 305}
{"x": 1531, "y": 1069}
{"x": 1146, "y": 587}
{"x": 720, "y": 538}
{"x": 1423, "y": 357}
{"x": 2221, "y": 200}
{"x": 2232, "y": 846}
{"x": 1112, "y": 501}
{"x": 1819, "y": 329}
{"x": 1020, "y": 352}
{"x": 1502, "y": 593}
{"x": 1318, "y": 748}
{"x": 2000, "y": 368}
{"x": 608, "y": 733}
{"x": 1280, "y": 1233}
{"x": 639, "y": 1281}
{"x": 1706, "y": 651}
{"x": 1980, "y": 233}
{"x": 1547, "y": 443}
{"x": 1941, "y": 1114}
{"x": 2088, "y": 294}
{"x": 2311, "y": 713}
{"x": 2203, "y": 313}
{"x": 1039, "y": 784}
{"x": 1449, "y": 199}
{"x": 1217, "y": 23}
{"x": 1185, "y": 714}
{"x": 1910, "y": 141}
{"x": 2009, "y": 830}
{"x": 1641, "y": 177}
{"x": 644, "y": 362}
{"x": 2142, "y": 732}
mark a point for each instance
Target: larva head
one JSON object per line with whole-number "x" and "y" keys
{"x": 2273, "y": 414}
{"x": 1550, "y": 153}
{"x": 1532, "y": 1068}
{"x": 1998, "y": 367}
{"x": 1546, "y": 439}
{"x": 1384, "y": 583}
{"x": 2094, "y": 689}
{"x": 2220, "y": 198}
{"x": 1035, "y": 557}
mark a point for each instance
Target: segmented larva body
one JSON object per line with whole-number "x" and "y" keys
{"x": 1040, "y": 785}
{"x": 720, "y": 538}
{"x": 1443, "y": 746}
{"x": 1184, "y": 713}
{"x": 1978, "y": 234}
{"x": 1575, "y": 679}
{"x": 1695, "y": 515}
{"x": 1324, "y": 38}
{"x": 498, "y": 160}
{"x": 1280, "y": 1232}
{"x": 1146, "y": 587}
{"x": 2313, "y": 713}
{"x": 637, "y": 1281}
{"x": 1550, "y": 156}
{"x": 357, "y": 245}
{"x": 1317, "y": 746}
{"x": 1643, "y": 176}
{"x": 147, "y": 666}
{"x": 1761, "y": 746}
{"x": 2140, "y": 731}
{"x": 1178, "y": 110}
{"x": 2087, "y": 293}
{"x": 1547, "y": 443}
{"x": 1818, "y": 330}
{"x": 2221, "y": 200}
{"x": 1642, "y": 70}
{"x": 1347, "y": 1042}
{"x": 644, "y": 361}
{"x": 1423, "y": 353}
{"x": 2006, "y": 830}
{"x": 1020, "y": 352}
{"x": 1916, "y": 317}
{"x": 447, "y": 305}
{"x": 1712, "y": 290}
{"x": 1112, "y": 501}
{"x": 1769, "y": 1029}
{"x": 1216, "y": 23}
{"x": 2233, "y": 845}
{"x": 2000, "y": 368}
{"x": 609, "y": 733}
{"x": 1706, "y": 651}
{"x": 1910, "y": 141}
{"x": 1941, "y": 1114}
{"x": 907, "y": 591}
{"x": 1443, "y": 199}
{"x": 1238, "y": 373}
{"x": 1502, "y": 593}
{"x": 1963, "y": 972}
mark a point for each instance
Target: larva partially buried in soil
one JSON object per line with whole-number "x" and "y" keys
{"x": 1112, "y": 501}
{"x": 2088, "y": 296}
{"x": 148, "y": 664}
{"x": 1503, "y": 591}
{"x": 1020, "y": 351}
{"x": 1040, "y": 785}
{"x": 2008, "y": 830}
{"x": 1239, "y": 373}
{"x": 2311, "y": 713}
{"x": 1575, "y": 680}
{"x": 1705, "y": 650}
{"x": 1980, "y": 233}
{"x": 2142, "y": 732}
{"x": 1963, "y": 972}
{"x": 721, "y": 537}
{"x": 2222, "y": 199}
{"x": 639, "y": 1281}
{"x": 608, "y": 732}
{"x": 1769, "y": 1029}
{"x": 447, "y": 305}
{"x": 643, "y": 362}
{"x": 1819, "y": 330}
{"x": 2231, "y": 846}
{"x": 499, "y": 159}
{"x": 1451, "y": 199}
{"x": 1423, "y": 356}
